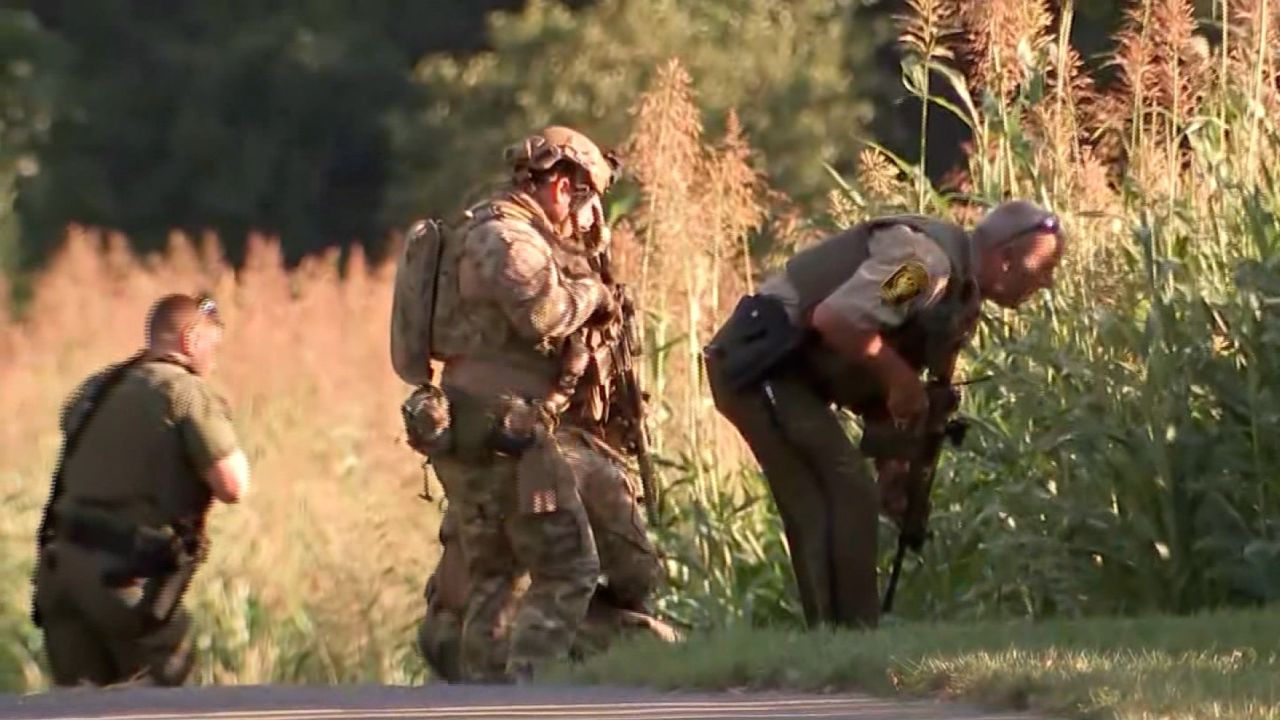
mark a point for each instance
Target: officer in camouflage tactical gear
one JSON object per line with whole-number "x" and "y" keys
{"x": 628, "y": 560}
{"x": 440, "y": 632}
{"x": 515, "y": 462}
{"x": 854, "y": 321}
{"x": 148, "y": 445}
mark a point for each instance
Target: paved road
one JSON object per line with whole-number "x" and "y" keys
{"x": 470, "y": 702}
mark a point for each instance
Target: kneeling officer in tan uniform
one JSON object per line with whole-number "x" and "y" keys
{"x": 853, "y": 321}
{"x": 147, "y": 447}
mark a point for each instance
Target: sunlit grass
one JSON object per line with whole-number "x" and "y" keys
{"x": 1222, "y": 665}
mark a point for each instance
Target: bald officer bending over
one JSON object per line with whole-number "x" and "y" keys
{"x": 854, "y": 321}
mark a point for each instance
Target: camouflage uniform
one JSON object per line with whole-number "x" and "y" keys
{"x": 629, "y": 562}
{"x": 140, "y": 463}
{"x": 512, "y": 476}
{"x": 440, "y": 631}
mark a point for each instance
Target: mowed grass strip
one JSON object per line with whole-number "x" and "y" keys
{"x": 1219, "y": 665}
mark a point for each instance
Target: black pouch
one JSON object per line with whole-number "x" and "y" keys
{"x": 163, "y": 592}
{"x": 757, "y": 337}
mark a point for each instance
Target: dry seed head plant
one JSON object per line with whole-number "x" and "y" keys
{"x": 700, "y": 202}
{"x": 1000, "y": 37}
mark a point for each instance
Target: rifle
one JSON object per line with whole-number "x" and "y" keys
{"x": 627, "y": 392}
{"x": 914, "y": 529}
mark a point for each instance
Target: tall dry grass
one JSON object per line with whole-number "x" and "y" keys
{"x": 702, "y": 200}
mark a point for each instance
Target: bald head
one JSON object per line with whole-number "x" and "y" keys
{"x": 1012, "y": 220}
{"x": 1019, "y": 245}
{"x": 187, "y": 325}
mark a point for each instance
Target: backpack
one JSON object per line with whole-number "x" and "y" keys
{"x": 421, "y": 278}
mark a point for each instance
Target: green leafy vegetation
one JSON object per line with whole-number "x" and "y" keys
{"x": 1218, "y": 665}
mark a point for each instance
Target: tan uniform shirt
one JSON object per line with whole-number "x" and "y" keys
{"x": 147, "y": 447}
{"x": 904, "y": 273}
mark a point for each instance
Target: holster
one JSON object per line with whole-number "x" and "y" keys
{"x": 756, "y": 338}
{"x": 162, "y": 593}
{"x": 166, "y": 558}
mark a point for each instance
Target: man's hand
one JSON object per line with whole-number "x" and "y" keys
{"x": 891, "y": 476}
{"x": 907, "y": 401}
{"x": 607, "y": 309}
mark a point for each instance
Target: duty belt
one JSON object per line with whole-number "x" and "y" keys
{"x": 149, "y": 551}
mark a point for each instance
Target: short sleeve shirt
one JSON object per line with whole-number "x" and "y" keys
{"x": 148, "y": 446}
{"x": 904, "y": 273}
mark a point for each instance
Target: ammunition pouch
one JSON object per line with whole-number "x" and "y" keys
{"x": 427, "y": 420}
{"x": 757, "y": 337}
{"x": 518, "y": 424}
{"x": 525, "y": 430}
{"x": 521, "y": 429}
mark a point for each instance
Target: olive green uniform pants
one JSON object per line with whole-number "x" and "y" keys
{"x": 824, "y": 490}
{"x": 95, "y": 634}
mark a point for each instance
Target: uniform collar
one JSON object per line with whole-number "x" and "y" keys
{"x": 536, "y": 217}
{"x": 182, "y": 360}
{"x": 564, "y": 236}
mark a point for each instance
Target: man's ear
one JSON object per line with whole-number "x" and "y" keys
{"x": 187, "y": 339}
{"x": 564, "y": 188}
{"x": 1007, "y": 253}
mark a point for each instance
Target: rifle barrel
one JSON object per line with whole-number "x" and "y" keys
{"x": 894, "y": 575}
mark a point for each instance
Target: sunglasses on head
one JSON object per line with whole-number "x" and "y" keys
{"x": 1049, "y": 224}
{"x": 206, "y": 306}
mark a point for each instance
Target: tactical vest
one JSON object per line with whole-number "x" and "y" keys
{"x": 927, "y": 341}
{"x": 465, "y": 330}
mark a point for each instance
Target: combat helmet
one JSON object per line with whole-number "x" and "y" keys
{"x": 545, "y": 148}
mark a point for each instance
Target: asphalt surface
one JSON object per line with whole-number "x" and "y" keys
{"x": 470, "y": 701}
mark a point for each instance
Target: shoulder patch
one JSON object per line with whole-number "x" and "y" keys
{"x": 905, "y": 283}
